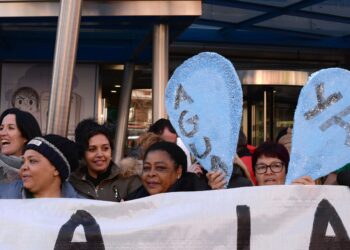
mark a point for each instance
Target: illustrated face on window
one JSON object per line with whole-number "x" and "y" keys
{"x": 26, "y": 99}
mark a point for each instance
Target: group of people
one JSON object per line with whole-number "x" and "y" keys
{"x": 33, "y": 165}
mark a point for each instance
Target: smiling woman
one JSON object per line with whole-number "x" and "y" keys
{"x": 47, "y": 162}
{"x": 165, "y": 170}
{"x": 16, "y": 129}
{"x": 160, "y": 172}
{"x": 98, "y": 177}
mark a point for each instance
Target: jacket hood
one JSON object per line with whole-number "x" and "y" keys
{"x": 129, "y": 166}
{"x": 12, "y": 161}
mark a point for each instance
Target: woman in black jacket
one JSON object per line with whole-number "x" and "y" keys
{"x": 165, "y": 170}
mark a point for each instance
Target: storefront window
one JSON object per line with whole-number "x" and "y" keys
{"x": 140, "y": 114}
{"x": 270, "y": 98}
{"x": 140, "y": 111}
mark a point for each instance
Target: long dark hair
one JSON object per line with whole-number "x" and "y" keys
{"x": 85, "y": 130}
{"x": 26, "y": 123}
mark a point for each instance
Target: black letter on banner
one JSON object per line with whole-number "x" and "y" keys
{"x": 243, "y": 227}
{"x": 92, "y": 233}
{"x": 180, "y": 96}
{"x": 217, "y": 163}
{"x": 337, "y": 119}
{"x": 322, "y": 103}
{"x": 193, "y": 120}
{"x": 325, "y": 213}
{"x": 207, "y": 149}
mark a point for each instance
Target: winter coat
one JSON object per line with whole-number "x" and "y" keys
{"x": 238, "y": 178}
{"x": 9, "y": 166}
{"x": 188, "y": 182}
{"x": 15, "y": 190}
{"x": 247, "y": 157}
{"x": 343, "y": 178}
{"x": 115, "y": 187}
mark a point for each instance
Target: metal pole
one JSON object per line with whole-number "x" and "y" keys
{"x": 63, "y": 68}
{"x": 271, "y": 104}
{"x": 160, "y": 69}
{"x": 249, "y": 115}
{"x": 265, "y": 115}
{"x": 123, "y": 114}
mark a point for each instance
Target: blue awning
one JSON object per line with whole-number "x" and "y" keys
{"x": 111, "y": 38}
{"x": 294, "y": 23}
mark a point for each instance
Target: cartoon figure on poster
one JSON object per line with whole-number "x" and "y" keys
{"x": 31, "y": 94}
{"x": 27, "y": 99}
{"x": 204, "y": 103}
{"x": 321, "y": 134}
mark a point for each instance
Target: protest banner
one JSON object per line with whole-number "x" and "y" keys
{"x": 268, "y": 217}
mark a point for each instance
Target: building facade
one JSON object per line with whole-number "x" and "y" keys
{"x": 125, "y": 51}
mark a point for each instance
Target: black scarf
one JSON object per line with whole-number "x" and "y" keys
{"x": 100, "y": 177}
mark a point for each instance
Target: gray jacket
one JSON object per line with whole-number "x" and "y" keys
{"x": 15, "y": 190}
{"x": 9, "y": 166}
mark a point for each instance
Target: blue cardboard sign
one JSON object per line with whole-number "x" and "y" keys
{"x": 321, "y": 133}
{"x": 204, "y": 103}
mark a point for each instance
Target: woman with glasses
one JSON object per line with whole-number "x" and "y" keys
{"x": 270, "y": 161}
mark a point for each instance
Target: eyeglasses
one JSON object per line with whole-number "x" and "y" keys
{"x": 275, "y": 167}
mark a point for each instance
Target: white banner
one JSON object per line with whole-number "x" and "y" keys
{"x": 269, "y": 217}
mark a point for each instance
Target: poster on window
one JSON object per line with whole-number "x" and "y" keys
{"x": 27, "y": 87}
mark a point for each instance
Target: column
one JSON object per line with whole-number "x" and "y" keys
{"x": 63, "y": 68}
{"x": 160, "y": 69}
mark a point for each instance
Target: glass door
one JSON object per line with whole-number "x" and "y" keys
{"x": 267, "y": 110}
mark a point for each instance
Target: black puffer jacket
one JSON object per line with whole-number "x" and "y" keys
{"x": 188, "y": 182}
{"x": 238, "y": 178}
{"x": 343, "y": 178}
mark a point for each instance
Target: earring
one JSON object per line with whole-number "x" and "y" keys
{"x": 56, "y": 173}
{"x": 178, "y": 177}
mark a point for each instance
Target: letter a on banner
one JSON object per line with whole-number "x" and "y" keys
{"x": 92, "y": 233}
{"x": 326, "y": 214}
